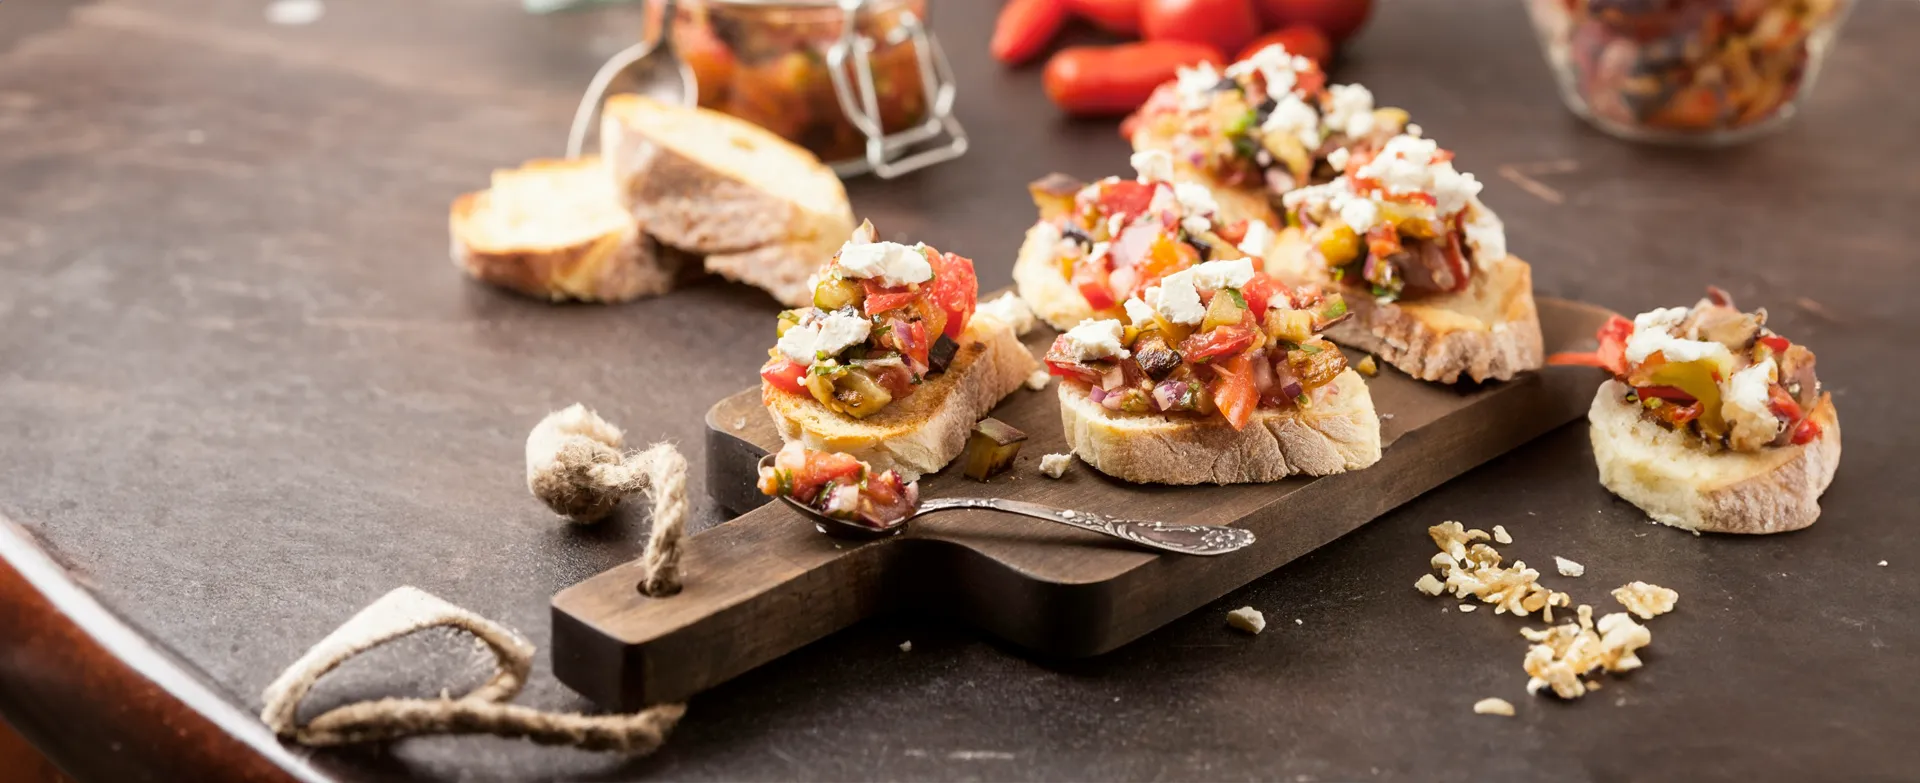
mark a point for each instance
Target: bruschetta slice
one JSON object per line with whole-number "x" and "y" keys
{"x": 1216, "y": 375}
{"x": 1096, "y": 245}
{"x": 1423, "y": 264}
{"x": 1264, "y": 127}
{"x": 889, "y": 364}
{"x": 1711, "y": 421}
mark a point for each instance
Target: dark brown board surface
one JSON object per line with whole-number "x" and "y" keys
{"x": 242, "y": 395}
{"x": 766, "y": 583}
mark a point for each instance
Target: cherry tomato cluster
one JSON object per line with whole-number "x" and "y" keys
{"x": 1114, "y": 80}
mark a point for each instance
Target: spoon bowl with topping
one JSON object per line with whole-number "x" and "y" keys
{"x": 845, "y": 499}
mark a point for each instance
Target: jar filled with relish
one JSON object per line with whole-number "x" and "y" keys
{"x": 1686, "y": 71}
{"x": 861, "y": 83}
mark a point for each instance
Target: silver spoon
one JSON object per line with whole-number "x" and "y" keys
{"x": 1182, "y": 539}
{"x": 650, "y": 68}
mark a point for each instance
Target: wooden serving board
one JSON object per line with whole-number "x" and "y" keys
{"x": 767, "y": 583}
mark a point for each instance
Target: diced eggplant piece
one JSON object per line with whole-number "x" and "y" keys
{"x": 788, "y": 320}
{"x": 834, "y": 293}
{"x": 1224, "y": 310}
{"x": 1293, "y": 326}
{"x": 940, "y": 356}
{"x": 1156, "y": 358}
{"x": 1053, "y": 194}
{"x": 858, "y": 395}
{"x": 1729, "y": 327}
{"x": 1316, "y": 363}
{"x": 991, "y": 449}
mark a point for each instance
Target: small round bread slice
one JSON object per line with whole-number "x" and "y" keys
{"x": 1489, "y": 331}
{"x": 1679, "y": 482}
{"x": 1037, "y": 277}
{"x": 924, "y": 432}
{"x": 1337, "y": 433}
{"x": 556, "y": 229}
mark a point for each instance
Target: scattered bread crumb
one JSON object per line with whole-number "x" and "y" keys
{"x": 1473, "y": 568}
{"x": 906, "y": 646}
{"x": 1493, "y": 706}
{"x": 1568, "y": 567}
{"x": 1561, "y": 655}
{"x": 1298, "y": 621}
{"x": 740, "y": 423}
{"x": 1430, "y": 585}
{"x": 1468, "y": 607}
{"x": 1500, "y": 535}
{"x": 1055, "y": 465}
{"x": 1647, "y": 601}
{"x": 1039, "y": 379}
{"x": 295, "y": 13}
{"x": 1593, "y": 685}
{"x": 1368, "y": 366}
{"x": 1883, "y": 562}
{"x": 1247, "y": 618}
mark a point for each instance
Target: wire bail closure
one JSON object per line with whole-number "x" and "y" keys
{"x": 860, "y": 101}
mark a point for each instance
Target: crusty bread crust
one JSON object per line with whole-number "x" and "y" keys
{"x": 1036, "y": 275}
{"x": 1338, "y": 433}
{"x": 1679, "y": 482}
{"x": 617, "y": 266}
{"x": 1235, "y": 204}
{"x": 924, "y": 432}
{"x": 780, "y": 269}
{"x": 695, "y": 201}
{"x": 1491, "y": 330}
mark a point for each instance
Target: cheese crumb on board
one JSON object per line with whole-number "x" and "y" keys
{"x": 1568, "y": 567}
{"x": 1039, "y": 380}
{"x": 906, "y": 646}
{"x": 1247, "y": 618}
{"x": 1647, "y": 601}
{"x": 1500, "y": 535}
{"x": 1011, "y": 310}
{"x": 1055, "y": 465}
{"x": 1493, "y": 706}
{"x": 1468, "y": 607}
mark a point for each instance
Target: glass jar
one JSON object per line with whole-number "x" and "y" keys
{"x": 861, "y": 83}
{"x": 1706, "y": 72}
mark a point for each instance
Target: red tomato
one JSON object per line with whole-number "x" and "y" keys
{"x": 1227, "y": 25}
{"x": 1298, "y": 39}
{"x": 1094, "y": 286}
{"x": 1783, "y": 403}
{"x": 914, "y": 341}
{"x": 1114, "y": 80}
{"x": 882, "y": 298}
{"x": 1777, "y": 343}
{"x": 1126, "y": 197}
{"x": 1806, "y": 432}
{"x": 955, "y": 290}
{"x": 1233, "y": 390}
{"x": 821, "y": 468}
{"x": 784, "y": 375}
{"x": 1114, "y": 16}
{"x": 1220, "y": 341}
{"x": 1025, "y": 27}
{"x": 1339, "y": 19}
{"x": 1258, "y": 292}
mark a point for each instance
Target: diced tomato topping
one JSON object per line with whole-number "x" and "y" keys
{"x": 955, "y": 290}
{"x": 1234, "y": 232}
{"x": 1806, "y": 432}
{"x": 1681, "y": 414}
{"x": 1061, "y": 363}
{"x": 1234, "y": 392}
{"x": 1667, "y": 393}
{"x": 1309, "y": 82}
{"x": 1783, "y": 403}
{"x": 1258, "y": 292}
{"x": 1126, "y": 197}
{"x": 881, "y": 298}
{"x": 1777, "y": 343}
{"x": 1094, "y": 286}
{"x": 784, "y": 375}
{"x": 1220, "y": 341}
{"x": 1383, "y": 240}
{"x": 822, "y": 468}
{"x": 914, "y": 341}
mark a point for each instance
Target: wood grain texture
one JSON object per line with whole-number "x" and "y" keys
{"x": 766, "y": 583}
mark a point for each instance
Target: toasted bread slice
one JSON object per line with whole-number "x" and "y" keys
{"x": 780, "y": 269}
{"x": 1491, "y": 330}
{"x": 1679, "y": 482}
{"x": 1338, "y": 433}
{"x": 1236, "y": 203}
{"x": 709, "y": 183}
{"x": 924, "y": 432}
{"x": 1037, "y": 278}
{"x": 556, "y": 229}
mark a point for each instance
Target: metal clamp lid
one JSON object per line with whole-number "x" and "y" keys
{"x": 860, "y": 101}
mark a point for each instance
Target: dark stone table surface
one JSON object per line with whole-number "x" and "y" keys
{"x": 243, "y": 394}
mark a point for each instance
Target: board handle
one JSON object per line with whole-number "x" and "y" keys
{"x": 754, "y": 589}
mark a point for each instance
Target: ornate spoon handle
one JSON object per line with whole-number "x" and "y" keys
{"x": 1184, "y": 539}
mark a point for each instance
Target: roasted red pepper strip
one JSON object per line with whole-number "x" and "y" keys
{"x": 1667, "y": 393}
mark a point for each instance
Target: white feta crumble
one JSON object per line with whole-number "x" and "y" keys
{"x": 889, "y": 263}
{"x": 1177, "y": 299}
{"x": 1653, "y": 333}
{"x": 1115, "y": 223}
{"x": 1195, "y": 86}
{"x": 1138, "y": 312}
{"x": 1568, "y": 567}
{"x": 1295, "y": 118}
{"x": 1197, "y": 203}
{"x": 1152, "y": 165}
{"x": 1259, "y": 238}
{"x": 1095, "y": 340}
{"x": 803, "y": 344}
{"x": 1247, "y": 618}
{"x": 1338, "y": 158}
{"x": 1039, "y": 379}
{"x": 1279, "y": 69}
{"x": 1486, "y": 235}
{"x": 1011, "y": 310}
{"x": 1749, "y": 389}
{"x": 1356, "y": 210}
{"x": 1215, "y": 275}
{"x": 1351, "y": 110}
{"x": 1406, "y": 165}
{"x": 1162, "y": 201}
{"x": 1359, "y": 213}
{"x": 1055, "y": 465}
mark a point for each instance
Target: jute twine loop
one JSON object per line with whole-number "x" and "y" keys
{"x": 575, "y": 464}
